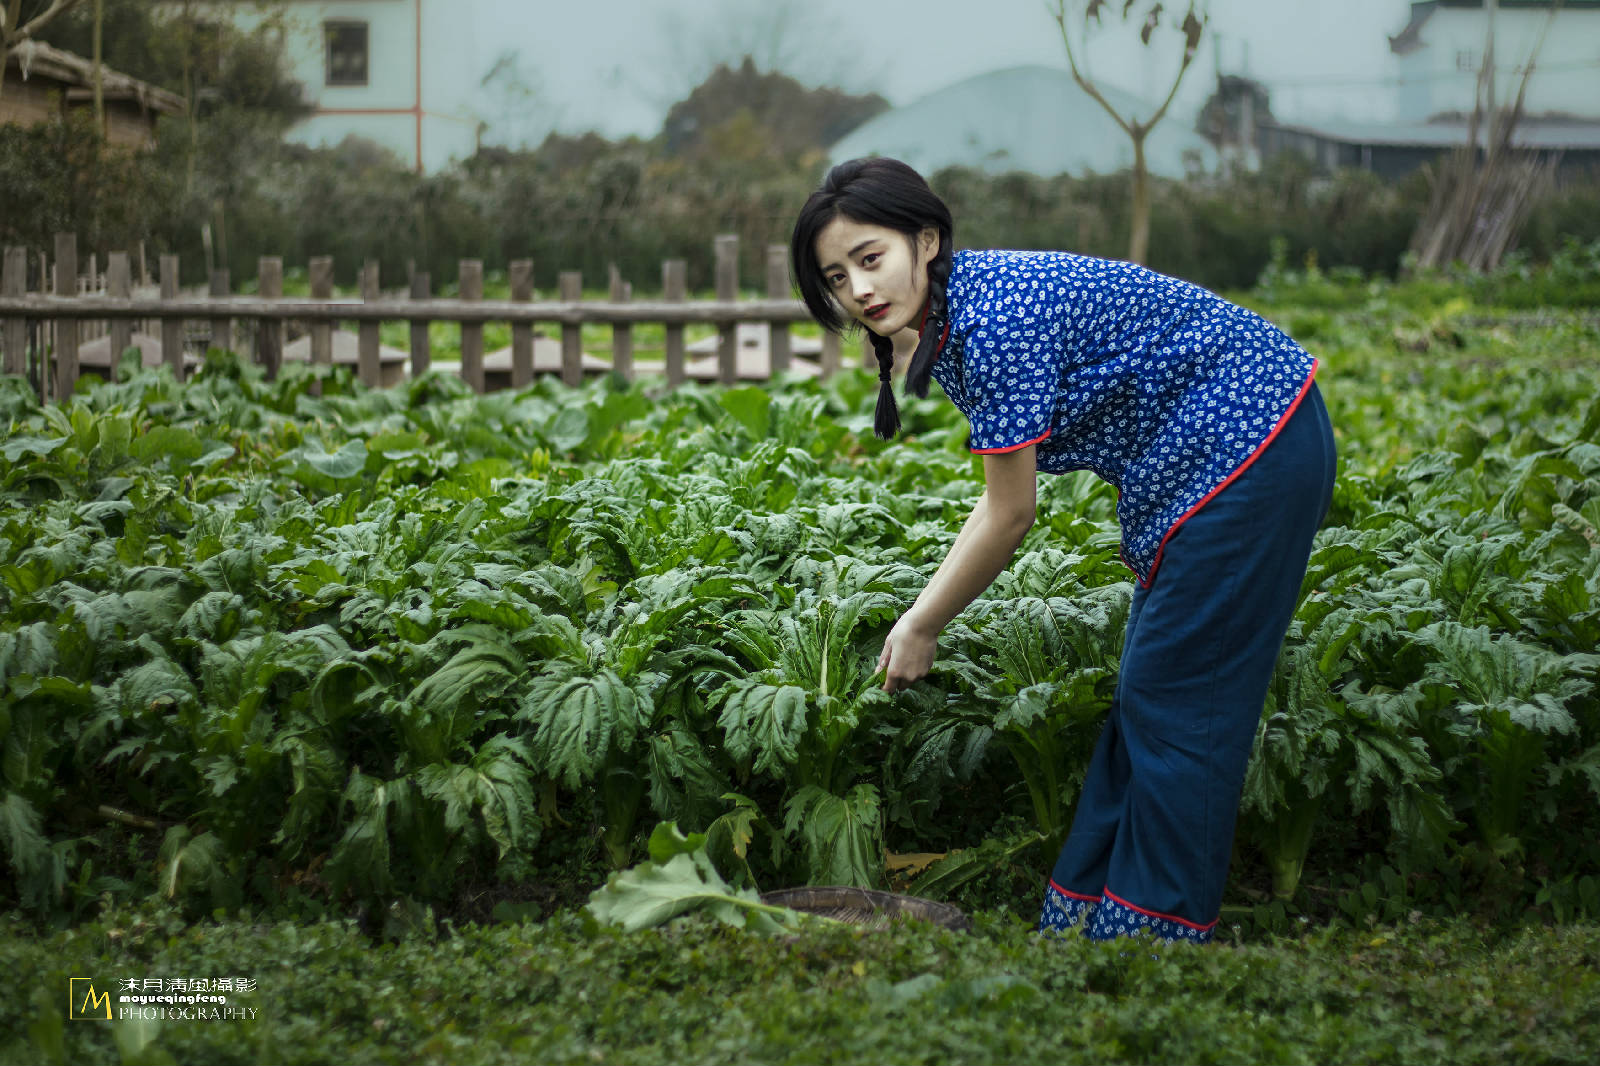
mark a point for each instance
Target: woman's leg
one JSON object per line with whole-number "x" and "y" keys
{"x": 1194, "y": 677}
{"x": 1079, "y": 876}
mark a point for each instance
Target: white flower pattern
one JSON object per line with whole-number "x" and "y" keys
{"x": 1156, "y": 385}
{"x": 1108, "y": 918}
{"x": 1063, "y": 913}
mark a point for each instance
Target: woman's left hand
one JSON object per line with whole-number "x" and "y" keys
{"x": 908, "y": 653}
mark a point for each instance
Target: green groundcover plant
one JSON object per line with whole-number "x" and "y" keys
{"x": 573, "y": 991}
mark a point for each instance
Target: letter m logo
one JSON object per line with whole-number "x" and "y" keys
{"x": 84, "y": 1002}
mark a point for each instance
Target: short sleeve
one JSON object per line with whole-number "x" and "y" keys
{"x": 1013, "y": 377}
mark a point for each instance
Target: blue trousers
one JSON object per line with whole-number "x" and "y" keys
{"x": 1153, "y": 830}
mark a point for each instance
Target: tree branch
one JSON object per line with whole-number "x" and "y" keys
{"x": 1060, "y": 15}
{"x": 128, "y": 818}
{"x": 1145, "y": 127}
{"x": 35, "y": 24}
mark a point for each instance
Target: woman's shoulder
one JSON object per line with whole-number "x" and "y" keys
{"x": 1019, "y": 262}
{"x": 1004, "y": 281}
{"x": 1022, "y": 268}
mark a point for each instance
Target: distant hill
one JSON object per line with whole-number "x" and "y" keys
{"x": 1032, "y": 119}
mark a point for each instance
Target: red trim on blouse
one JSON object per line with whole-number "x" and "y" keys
{"x": 1164, "y": 917}
{"x": 1012, "y": 448}
{"x": 1073, "y": 895}
{"x": 1293, "y": 406}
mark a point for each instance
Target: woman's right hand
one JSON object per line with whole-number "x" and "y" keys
{"x": 908, "y": 653}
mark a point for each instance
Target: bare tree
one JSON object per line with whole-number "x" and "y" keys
{"x": 15, "y": 33}
{"x": 1192, "y": 27}
{"x": 1481, "y": 199}
{"x": 519, "y": 113}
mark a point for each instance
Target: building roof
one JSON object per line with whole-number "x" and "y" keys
{"x": 1409, "y": 39}
{"x": 1579, "y": 134}
{"x": 36, "y": 59}
{"x": 1031, "y": 118}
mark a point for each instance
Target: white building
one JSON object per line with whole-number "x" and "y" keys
{"x": 390, "y": 71}
{"x": 1440, "y": 53}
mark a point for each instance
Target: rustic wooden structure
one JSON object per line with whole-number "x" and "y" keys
{"x": 43, "y": 84}
{"x": 50, "y": 320}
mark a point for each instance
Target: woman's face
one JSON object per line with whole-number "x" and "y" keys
{"x": 878, "y": 275}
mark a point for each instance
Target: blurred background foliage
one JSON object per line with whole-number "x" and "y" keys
{"x": 737, "y": 155}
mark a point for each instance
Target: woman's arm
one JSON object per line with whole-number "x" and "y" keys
{"x": 988, "y": 539}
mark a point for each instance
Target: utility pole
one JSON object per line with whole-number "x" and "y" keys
{"x": 99, "y": 82}
{"x": 1488, "y": 57}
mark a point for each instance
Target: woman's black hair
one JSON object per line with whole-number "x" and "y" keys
{"x": 878, "y": 192}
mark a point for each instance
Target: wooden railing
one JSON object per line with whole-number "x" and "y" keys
{"x": 42, "y": 331}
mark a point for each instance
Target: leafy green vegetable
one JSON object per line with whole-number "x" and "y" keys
{"x": 678, "y": 879}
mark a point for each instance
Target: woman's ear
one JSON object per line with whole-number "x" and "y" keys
{"x": 928, "y": 242}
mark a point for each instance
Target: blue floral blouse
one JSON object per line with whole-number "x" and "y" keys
{"x": 1158, "y": 386}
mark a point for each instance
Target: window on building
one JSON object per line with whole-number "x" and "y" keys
{"x": 347, "y": 52}
{"x": 1467, "y": 61}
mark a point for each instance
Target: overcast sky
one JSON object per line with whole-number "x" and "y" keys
{"x": 615, "y": 65}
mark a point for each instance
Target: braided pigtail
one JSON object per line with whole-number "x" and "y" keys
{"x": 886, "y": 420}
{"x": 920, "y": 372}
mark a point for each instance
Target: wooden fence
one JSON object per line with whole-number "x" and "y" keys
{"x": 52, "y": 313}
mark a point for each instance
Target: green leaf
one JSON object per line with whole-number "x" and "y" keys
{"x": 17, "y": 447}
{"x": 190, "y": 863}
{"x": 766, "y": 719}
{"x": 749, "y": 407}
{"x": 655, "y": 892}
{"x": 667, "y": 840}
{"x": 842, "y": 835}
{"x": 174, "y": 444}
{"x": 21, "y": 833}
{"x": 27, "y": 741}
{"x": 579, "y": 718}
{"x": 347, "y": 462}
{"x": 569, "y": 429}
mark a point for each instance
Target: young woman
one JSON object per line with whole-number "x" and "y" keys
{"x": 1206, "y": 419}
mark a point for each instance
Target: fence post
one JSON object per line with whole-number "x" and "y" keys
{"x": 14, "y": 282}
{"x": 521, "y": 276}
{"x": 367, "y": 333}
{"x": 832, "y": 348}
{"x": 85, "y": 330}
{"x": 269, "y": 347}
{"x": 471, "y": 286}
{"x": 674, "y": 288}
{"x": 119, "y": 286}
{"x": 66, "y": 353}
{"x": 221, "y": 325}
{"x": 778, "y": 289}
{"x": 571, "y": 291}
{"x": 321, "y": 276}
{"x": 727, "y": 251}
{"x": 171, "y": 328}
{"x": 45, "y": 329}
{"x": 621, "y": 332}
{"x": 421, "y": 289}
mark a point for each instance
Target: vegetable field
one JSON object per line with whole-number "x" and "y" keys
{"x": 302, "y": 647}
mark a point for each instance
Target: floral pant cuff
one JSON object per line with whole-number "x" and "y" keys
{"x": 1116, "y": 917}
{"x": 1065, "y": 911}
